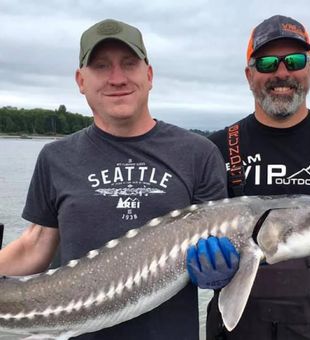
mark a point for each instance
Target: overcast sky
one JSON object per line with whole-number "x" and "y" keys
{"x": 196, "y": 47}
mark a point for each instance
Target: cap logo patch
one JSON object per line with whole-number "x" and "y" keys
{"x": 294, "y": 29}
{"x": 109, "y": 28}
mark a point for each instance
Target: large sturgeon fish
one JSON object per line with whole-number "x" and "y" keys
{"x": 136, "y": 273}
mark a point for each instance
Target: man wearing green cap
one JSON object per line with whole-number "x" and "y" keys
{"x": 95, "y": 185}
{"x": 267, "y": 153}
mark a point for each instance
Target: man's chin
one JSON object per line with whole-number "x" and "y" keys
{"x": 277, "y": 108}
{"x": 280, "y": 97}
{"x": 280, "y": 115}
{"x": 121, "y": 112}
{"x": 122, "y": 116}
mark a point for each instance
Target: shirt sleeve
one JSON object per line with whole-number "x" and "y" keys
{"x": 40, "y": 202}
{"x": 212, "y": 179}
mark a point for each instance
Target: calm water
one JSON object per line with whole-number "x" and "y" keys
{"x": 17, "y": 161}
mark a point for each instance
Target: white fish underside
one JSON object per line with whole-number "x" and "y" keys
{"x": 89, "y": 294}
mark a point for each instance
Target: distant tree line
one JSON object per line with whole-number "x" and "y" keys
{"x": 41, "y": 121}
{"x": 47, "y": 122}
{"x": 205, "y": 133}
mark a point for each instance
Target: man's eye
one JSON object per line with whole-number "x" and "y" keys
{"x": 129, "y": 63}
{"x": 102, "y": 65}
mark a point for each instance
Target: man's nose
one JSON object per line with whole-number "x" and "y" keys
{"x": 117, "y": 76}
{"x": 282, "y": 70}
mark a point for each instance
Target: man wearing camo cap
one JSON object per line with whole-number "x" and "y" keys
{"x": 273, "y": 144}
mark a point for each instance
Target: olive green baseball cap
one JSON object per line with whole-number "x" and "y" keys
{"x": 111, "y": 29}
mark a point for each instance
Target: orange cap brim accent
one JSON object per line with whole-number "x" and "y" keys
{"x": 307, "y": 37}
{"x": 250, "y": 49}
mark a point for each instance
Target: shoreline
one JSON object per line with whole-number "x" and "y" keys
{"x": 29, "y": 137}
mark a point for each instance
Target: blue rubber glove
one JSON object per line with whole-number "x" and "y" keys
{"x": 212, "y": 263}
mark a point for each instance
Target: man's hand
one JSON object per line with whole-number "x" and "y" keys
{"x": 212, "y": 263}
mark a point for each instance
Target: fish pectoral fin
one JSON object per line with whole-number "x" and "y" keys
{"x": 233, "y": 297}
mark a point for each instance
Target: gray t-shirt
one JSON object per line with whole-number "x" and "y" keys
{"x": 94, "y": 187}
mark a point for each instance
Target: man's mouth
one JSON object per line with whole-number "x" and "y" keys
{"x": 282, "y": 86}
{"x": 282, "y": 89}
{"x": 119, "y": 94}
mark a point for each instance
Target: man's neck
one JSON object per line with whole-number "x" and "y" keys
{"x": 126, "y": 127}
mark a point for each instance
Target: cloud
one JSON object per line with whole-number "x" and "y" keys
{"x": 197, "y": 49}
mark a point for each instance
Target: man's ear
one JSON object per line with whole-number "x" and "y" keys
{"x": 249, "y": 76}
{"x": 79, "y": 78}
{"x": 150, "y": 76}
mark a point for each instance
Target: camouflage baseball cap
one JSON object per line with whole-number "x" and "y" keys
{"x": 277, "y": 27}
{"x": 111, "y": 29}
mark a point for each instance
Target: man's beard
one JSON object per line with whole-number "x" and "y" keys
{"x": 280, "y": 106}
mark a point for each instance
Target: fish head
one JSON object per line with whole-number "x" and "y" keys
{"x": 285, "y": 234}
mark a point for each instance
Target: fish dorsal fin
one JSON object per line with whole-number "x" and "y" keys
{"x": 234, "y": 296}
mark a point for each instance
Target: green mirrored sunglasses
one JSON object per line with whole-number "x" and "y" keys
{"x": 268, "y": 64}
